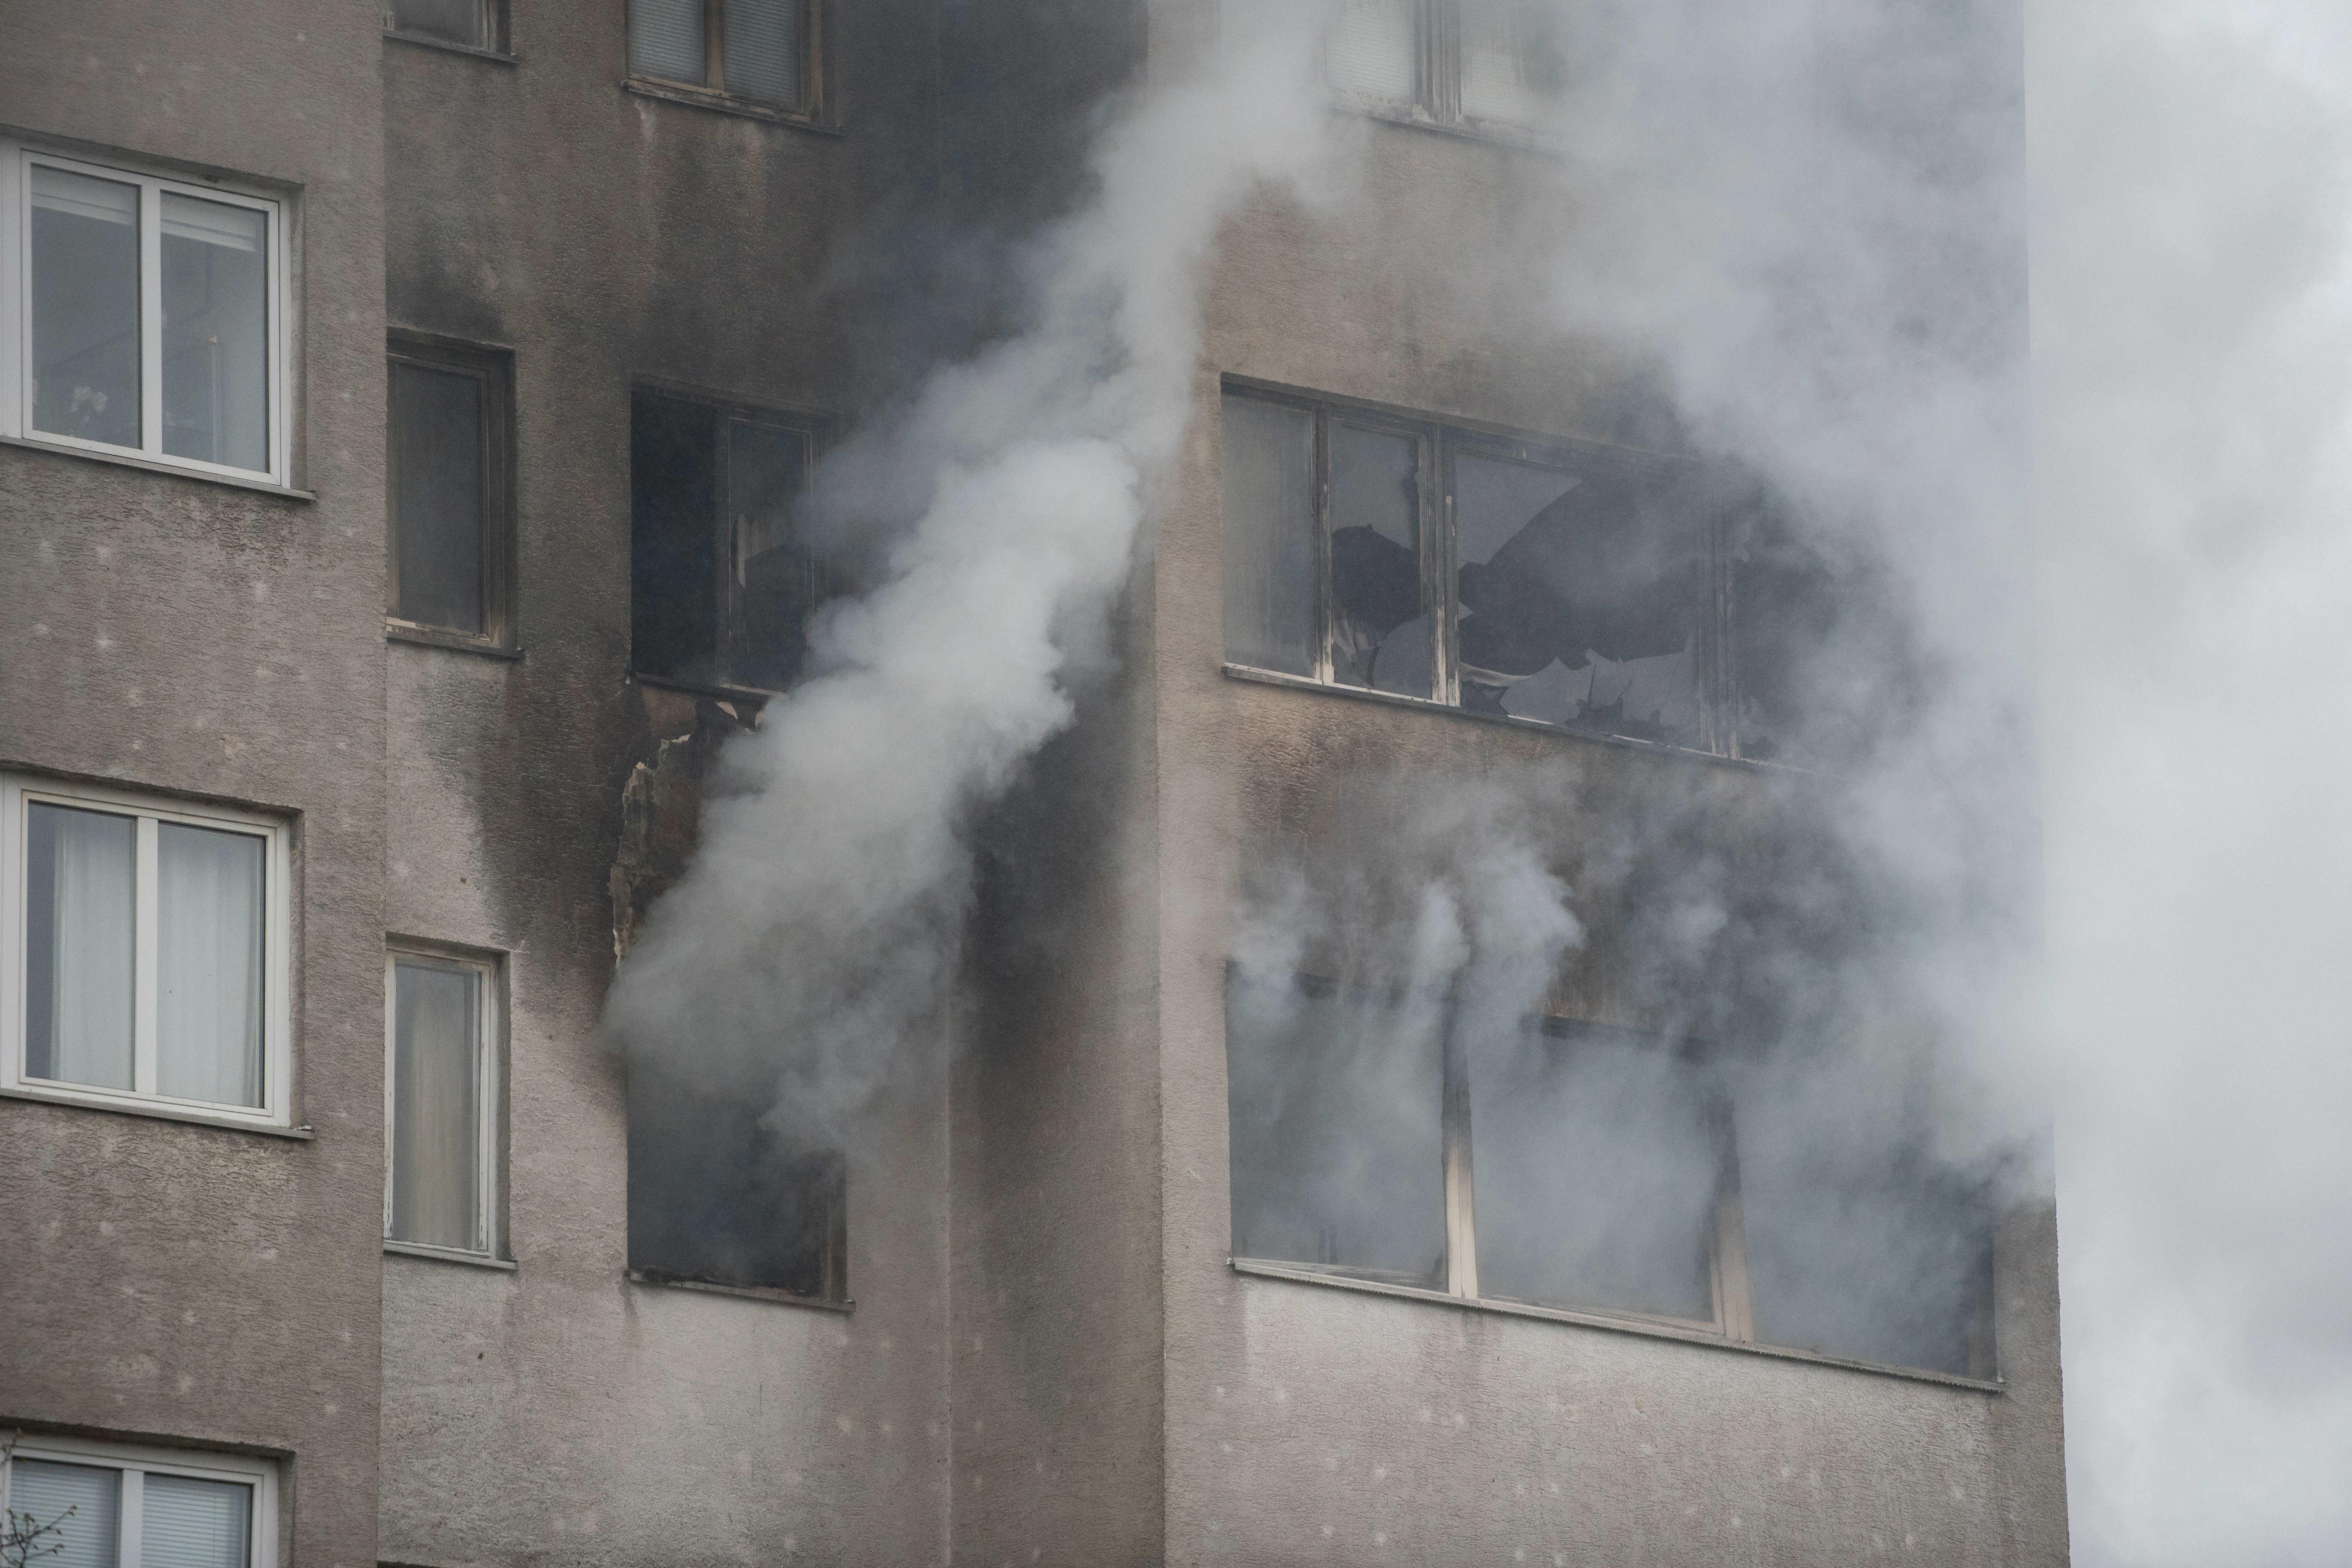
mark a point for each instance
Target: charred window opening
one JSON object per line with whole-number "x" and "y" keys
{"x": 723, "y": 586}
{"x": 1550, "y": 1162}
{"x": 721, "y": 1195}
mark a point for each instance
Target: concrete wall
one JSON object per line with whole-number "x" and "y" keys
{"x": 559, "y": 1410}
{"x": 167, "y": 1281}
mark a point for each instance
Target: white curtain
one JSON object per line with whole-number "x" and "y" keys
{"x": 84, "y": 1538}
{"x": 436, "y": 1080}
{"x": 189, "y": 1524}
{"x": 208, "y": 1002}
{"x": 1375, "y": 49}
{"x": 79, "y": 947}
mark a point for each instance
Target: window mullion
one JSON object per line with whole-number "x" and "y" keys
{"x": 151, "y": 319}
{"x": 133, "y": 1504}
{"x": 146, "y": 948}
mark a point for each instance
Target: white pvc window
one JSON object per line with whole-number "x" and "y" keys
{"x": 442, "y": 1103}
{"x": 141, "y": 316}
{"x": 144, "y": 954}
{"x": 101, "y": 1505}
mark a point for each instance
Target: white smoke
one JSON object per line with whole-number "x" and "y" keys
{"x": 819, "y": 919}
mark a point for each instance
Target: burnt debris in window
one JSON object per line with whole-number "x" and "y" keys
{"x": 1380, "y": 628}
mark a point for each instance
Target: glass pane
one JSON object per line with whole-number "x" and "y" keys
{"x": 666, "y": 39}
{"x": 1869, "y": 1253}
{"x": 773, "y": 586}
{"x": 1581, "y": 595}
{"x": 675, "y": 584}
{"x": 763, "y": 48}
{"x": 85, "y": 307}
{"x": 189, "y": 1524}
{"x": 78, "y": 936}
{"x": 216, "y": 332}
{"x": 1796, "y": 647}
{"x": 436, "y": 1105}
{"x": 719, "y": 1192}
{"x": 1379, "y": 634}
{"x": 437, "y": 435}
{"x": 1374, "y": 50}
{"x": 1269, "y": 536}
{"x": 76, "y": 1507}
{"x": 1595, "y": 1168}
{"x": 1337, "y": 1100}
{"x": 208, "y": 993}
{"x": 1509, "y": 60}
{"x": 452, "y": 21}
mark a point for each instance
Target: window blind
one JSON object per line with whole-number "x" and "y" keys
{"x": 764, "y": 49}
{"x": 1373, "y": 50}
{"x": 666, "y": 39}
{"x": 192, "y": 1523}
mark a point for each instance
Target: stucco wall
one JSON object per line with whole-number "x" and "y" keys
{"x": 174, "y": 1282}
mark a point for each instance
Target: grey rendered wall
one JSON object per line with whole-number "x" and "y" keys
{"x": 170, "y": 1282}
{"x": 558, "y": 1410}
{"x": 1307, "y": 1423}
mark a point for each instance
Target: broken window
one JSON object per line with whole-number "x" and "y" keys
{"x": 760, "y": 50}
{"x": 1559, "y": 1164}
{"x": 1563, "y": 583}
{"x": 721, "y": 1194}
{"x": 723, "y": 586}
{"x": 449, "y": 486}
{"x": 1472, "y": 63}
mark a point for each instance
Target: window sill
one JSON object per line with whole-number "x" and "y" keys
{"x": 158, "y": 1110}
{"x": 1429, "y": 705}
{"x": 1494, "y": 134}
{"x": 456, "y": 642}
{"x": 726, "y": 103}
{"x": 134, "y": 460}
{"x": 657, "y": 1279}
{"x": 448, "y": 1255}
{"x": 422, "y": 41}
{"x": 1651, "y": 1328}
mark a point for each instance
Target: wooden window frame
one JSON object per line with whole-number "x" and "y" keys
{"x": 17, "y": 793}
{"x": 17, "y": 161}
{"x": 494, "y": 369}
{"x": 136, "y": 1463}
{"x": 812, "y": 108}
{"x": 489, "y": 1092}
{"x": 1442, "y": 442}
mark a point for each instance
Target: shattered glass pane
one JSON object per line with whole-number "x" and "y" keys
{"x": 1595, "y": 1169}
{"x": 1269, "y": 492}
{"x": 1380, "y": 633}
{"x": 1337, "y": 1098}
{"x": 673, "y": 565}
{"x": 774, "y": 585}
{"x": 1581, "y": 595}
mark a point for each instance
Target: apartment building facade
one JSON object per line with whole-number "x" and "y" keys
{"x": 405, "y": 411}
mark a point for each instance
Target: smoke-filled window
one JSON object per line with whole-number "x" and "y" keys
{"x": 722, "y": 585}
{"x": 1469, "y": 63}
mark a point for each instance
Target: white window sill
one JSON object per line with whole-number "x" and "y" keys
{"x": 135, "y": 461}
{"x": 750, "y": 1292}
{"x": 154, "y": 1110}
{"x": 449, "y": 1254}
{"x": 1302, "y": 1274}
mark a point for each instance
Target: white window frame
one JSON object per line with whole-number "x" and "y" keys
{"x": 17, "y": 792}
{"x": 136, "y": 1464}
{"x": 489, "y": 1121}
{"x": 16, "y": 162}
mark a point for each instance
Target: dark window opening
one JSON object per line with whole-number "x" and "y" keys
{"x": 722, "y": 587}
{"x": 719, "y": 1195}
{"x": 448, "y": 454}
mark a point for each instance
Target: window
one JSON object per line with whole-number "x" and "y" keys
{"x": 142, "y": 316}
{"x": 449, "y": 481}
{"x": 1571, "y": 584}
{"x": 722, "y": 587}
{"x": 761, "y": 51}
{"x": 1390, "y": 1137}
{"x": 143, "y": 960}
{"x": 469, "y": 23}
{"x": 722, "y": 1193}
{"x": 443, "y": 1083}
{"x": 1474, "y": 64}
{"x": 101, "y": 1505}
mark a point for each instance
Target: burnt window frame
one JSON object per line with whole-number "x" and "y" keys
{"x": 493, "y": 367}
{"x": 811, "y": 111}
{"x": 1445, "y": 439}
{"x": 816, "y": 431}
{"x": 1724, "y": 1236}
{"x": 1436, "y": 103}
